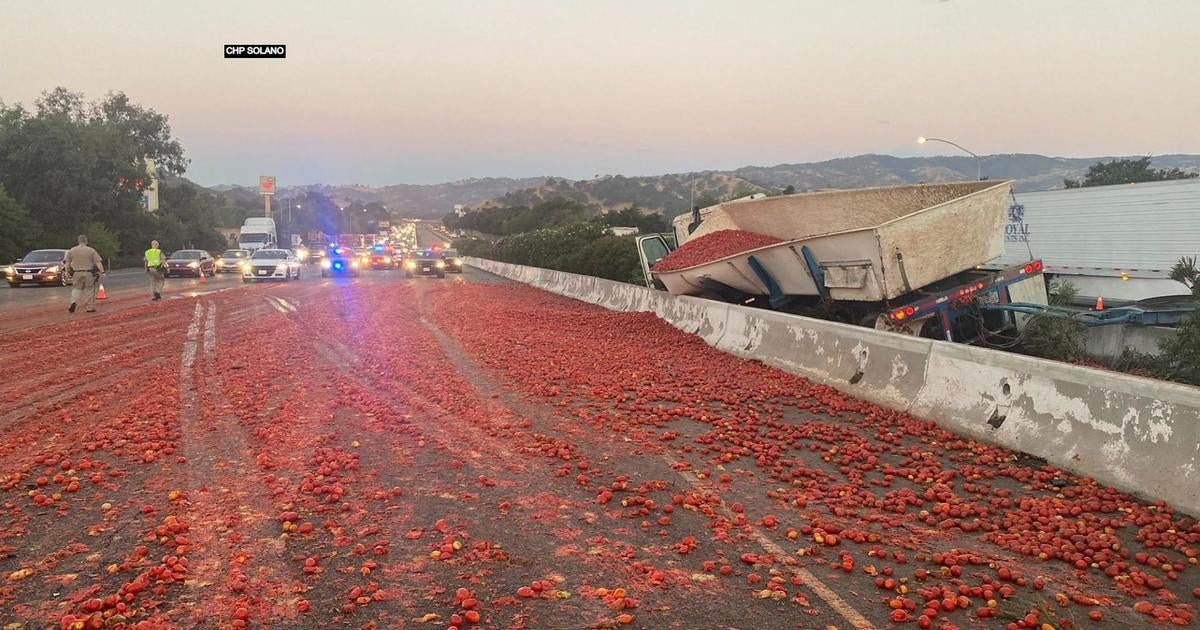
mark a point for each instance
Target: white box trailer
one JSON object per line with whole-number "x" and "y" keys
{"x": 1116, "y": 242}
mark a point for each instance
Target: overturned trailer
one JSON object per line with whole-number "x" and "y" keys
{"x": 904, "y": 258}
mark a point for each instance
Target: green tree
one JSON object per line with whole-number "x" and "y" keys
{"x": 73, "y": 163}
{"x": 102, "y": 239}
{"x": 18, "y": 232}
{"x": 790, "y": 190}
{"x": 1126, "y": 172}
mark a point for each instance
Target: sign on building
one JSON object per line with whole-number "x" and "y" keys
{"x": 1017, "y": 231}
{"x": 150, "y": 189}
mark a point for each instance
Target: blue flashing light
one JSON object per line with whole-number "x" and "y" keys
{"x": 338, "y": 265}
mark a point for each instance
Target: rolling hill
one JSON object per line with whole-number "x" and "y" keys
{"x": 675, "y": 192}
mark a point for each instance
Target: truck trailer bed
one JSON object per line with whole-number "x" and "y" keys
{"x": 871, "y": 244}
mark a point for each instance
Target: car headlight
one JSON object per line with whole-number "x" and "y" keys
{"x": 354, "y": 264}
{"x": 52, "y": 269}
{"x": 387, "y": 259}
{"x": 458, "y": 262}
{"x": 441, "y": 264}
{"x": 221, "y": 262}
{"x": 194, "y": 265}
{"x": 325, "y": 264}
{"x": 411, "y": 264}
{"x": 302, "y": 254}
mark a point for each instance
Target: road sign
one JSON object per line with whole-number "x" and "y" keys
{"x": 385, "y": 224}
{"x": 266, "y": 185}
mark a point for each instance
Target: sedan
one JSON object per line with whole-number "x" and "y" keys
{"x": 271, "y": 264}
{"x": 454, "y": 262}
{"x": 425, "y": 262}
{"x": 231, "y": 260}
{"x": 190, "y": 262}
{"x": 40, "y": 266}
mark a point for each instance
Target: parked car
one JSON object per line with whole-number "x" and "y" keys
{"x": 190, "y": 262}
{"x": 231, "y": 260}
{"x": 41, "y": 266}
{"x": 271, "y": 264}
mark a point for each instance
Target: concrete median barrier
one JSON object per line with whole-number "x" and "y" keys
{"x": 1136, "y": 434}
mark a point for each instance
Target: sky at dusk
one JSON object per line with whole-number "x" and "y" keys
{"x": 421, "y": 92}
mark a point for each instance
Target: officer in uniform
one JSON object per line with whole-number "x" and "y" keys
{"x": 85, "y": 267}
{"x": 155, "y": 261}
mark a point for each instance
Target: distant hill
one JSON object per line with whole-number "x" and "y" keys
{"x": 1030, "y": 171}
{"x": 615, "y": 192}
{"x": 428, "y": 201}
{"x": 672, "y": 192}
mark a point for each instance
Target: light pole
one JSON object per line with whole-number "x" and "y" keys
{"x": 978, "y": 160}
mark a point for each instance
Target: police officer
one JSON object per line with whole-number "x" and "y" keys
{"x": 85, "y": 267}
{"x": 154, "y": 261}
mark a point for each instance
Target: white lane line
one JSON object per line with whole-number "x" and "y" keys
{"x": 189, "y": 346}
{"x": 822, "y": 590}
{"x": 210, "y": 330}
{"x": 286, "y": 304}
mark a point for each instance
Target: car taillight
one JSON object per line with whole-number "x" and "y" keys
{"x": 1028, "y": 268}
{"x": 1037, "y": 265}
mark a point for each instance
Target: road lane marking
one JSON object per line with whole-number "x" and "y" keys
{"x": 811, "y": 581}
{"x": 827, "y": 594}
{"x": 189, "y": 346}
{"x": 210, "y": 330}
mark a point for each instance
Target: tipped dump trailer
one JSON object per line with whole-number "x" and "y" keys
{"x": 904, "y": 258}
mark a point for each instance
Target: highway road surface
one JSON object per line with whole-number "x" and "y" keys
{"x": 466, "y": 452}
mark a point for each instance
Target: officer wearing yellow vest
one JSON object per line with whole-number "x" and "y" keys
{"x": 155, "y": 262}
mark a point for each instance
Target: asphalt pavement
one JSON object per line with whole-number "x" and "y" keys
{"x": 390, "y": 452}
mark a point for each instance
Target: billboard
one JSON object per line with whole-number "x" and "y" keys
{"x": 266, "y": 185}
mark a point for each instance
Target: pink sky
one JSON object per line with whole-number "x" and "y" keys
{"x": 418, "y": 92}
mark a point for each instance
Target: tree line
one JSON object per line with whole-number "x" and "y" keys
{"x": 71, "y": 166}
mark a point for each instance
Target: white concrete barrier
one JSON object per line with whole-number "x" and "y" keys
{"x": 1136, "y": 434}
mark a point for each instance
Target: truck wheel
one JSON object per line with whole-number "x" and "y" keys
{"x": 873, "y": 319}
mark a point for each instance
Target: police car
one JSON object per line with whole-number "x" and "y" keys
{"x": 340, "y": 261}
{"x": 425, "y": 262}
{"x": 271, "y": 264}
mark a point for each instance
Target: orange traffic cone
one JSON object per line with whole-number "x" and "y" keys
{"x": 202, "y": 280}
{"x": 100, "y": 292}
{"x": 1099, "y": 303}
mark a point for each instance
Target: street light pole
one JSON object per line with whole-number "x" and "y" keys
{"x": 978, "y": 160}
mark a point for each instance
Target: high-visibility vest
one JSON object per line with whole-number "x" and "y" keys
{"x": 153, "y": 257}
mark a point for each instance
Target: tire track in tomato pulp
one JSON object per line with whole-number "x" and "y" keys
{"x": 592, "y": 361}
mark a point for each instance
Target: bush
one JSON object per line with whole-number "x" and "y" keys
{"x": 1052, "y": 337}
{"x": 581, "y": 247}
{"x": 1179, "y": 356}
